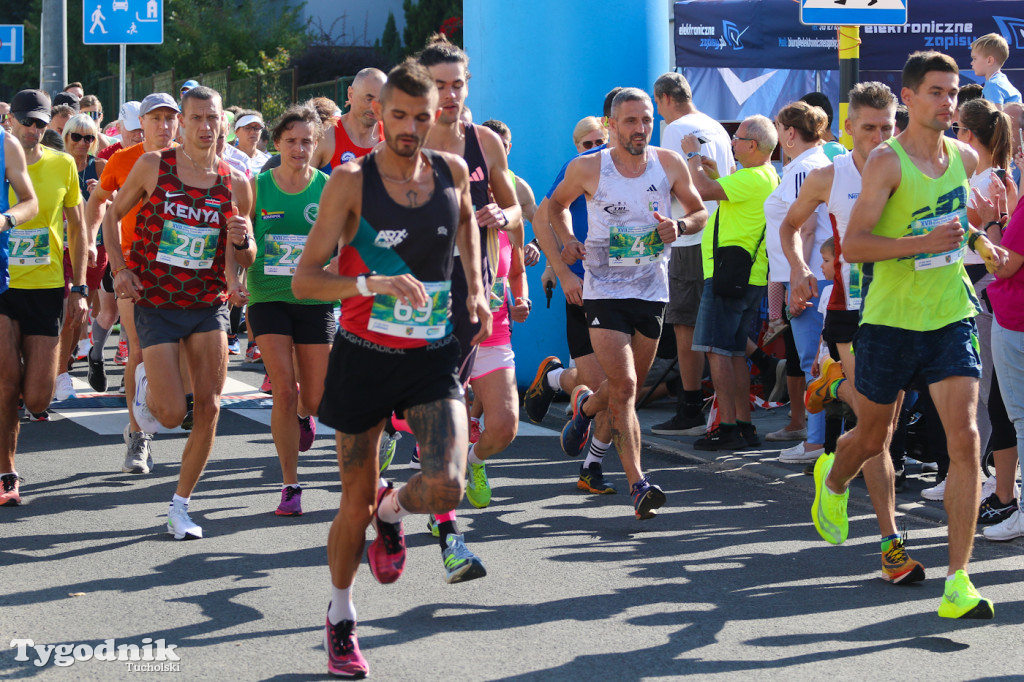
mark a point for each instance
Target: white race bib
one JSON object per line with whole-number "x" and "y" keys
{"x": 629, "y": 246}
{"x": 30, "y": 247}
{"x": 281, "y": 253}
{"x": 394, "y": 318}
{"x": 186, "y": 246}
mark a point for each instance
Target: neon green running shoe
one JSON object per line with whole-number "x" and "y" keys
{"x": 829, "y": 510}
{"x": 961, "y": 600}
{"x": 478, "y": 489}
{"x": 388, "y": 445}
{"x": 432, "y": 526}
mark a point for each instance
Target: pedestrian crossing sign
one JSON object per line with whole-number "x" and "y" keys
{"x": 853, "y": 12}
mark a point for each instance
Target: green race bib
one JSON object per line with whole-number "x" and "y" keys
{"x": 927, "y": 261}
{"x": 629, "y": 246}
{"x": 281, "y": 253}
{"x": 186, "y": 246}
{"x": 30, "y": 247}
{"x": 498, "y": 293}
{"x": 394, "y": 318}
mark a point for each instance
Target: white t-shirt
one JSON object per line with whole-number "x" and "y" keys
{"x": 717, "y": 147}
{"x": 777, "y": 205}
{"x": 983, "y": 183}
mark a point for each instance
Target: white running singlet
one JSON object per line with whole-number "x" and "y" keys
{"x": 624, "y": 259}
{"x": 846, "y": 183}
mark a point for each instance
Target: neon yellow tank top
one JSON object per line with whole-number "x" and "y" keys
{"x": 930, "y": 291}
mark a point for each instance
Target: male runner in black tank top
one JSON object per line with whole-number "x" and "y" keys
{"x": 491, "y": 189}
{"x": 417, "y": 378}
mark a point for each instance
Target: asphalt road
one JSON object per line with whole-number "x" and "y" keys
{"x": 729, "y": 581}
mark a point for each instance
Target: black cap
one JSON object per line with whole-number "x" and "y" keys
{"x": 69, "y": 98}
{"x": 31, "y": 104}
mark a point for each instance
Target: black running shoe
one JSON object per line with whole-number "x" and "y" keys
{"x": 189, "y": 420}
{"x": 748, "y": 432}
{"x": 539, "y": 396}
{"x": 994, "y": 511}
{"x": 681, "y": 425}
{"x": 97, "y": 375}
{"x": 592, "y": 480}
{"x": 720, "y": 439}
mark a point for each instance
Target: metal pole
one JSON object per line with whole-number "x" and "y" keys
{"x": 122, "y": 75}
{"x": 53, "y": 60}
{"x": 849, "y": 74}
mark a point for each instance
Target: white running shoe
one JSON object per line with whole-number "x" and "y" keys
{"x": 139, "y": 459}
{"x": 65, "y": 389}
{"x": 989, "y": 487}
{"x": 143, "y": 417}
{"x": 936, "y": 494}
{"x": 798, "y": 454}
{"x": 180, "y": 525}
{"x": 1009, "y": 529}
{"x": 84, "y": 346}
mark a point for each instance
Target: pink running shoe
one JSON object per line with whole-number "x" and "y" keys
{"x": 307, "y": 432}
{"x": 252, "y": 353}
{"x": 10, "y": 490}
{"x": 121, "y": 357}
{"x": 266, "y": 387}
{"x": 474, "y": 430}
{"x": 387, "y": 553}
{"x": 291, "y": 502}
{"x": 343, "y": 656}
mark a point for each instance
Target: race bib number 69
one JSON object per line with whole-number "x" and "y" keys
{"x": 394, "y": 318}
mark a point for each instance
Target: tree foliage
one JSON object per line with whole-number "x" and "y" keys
{"x": 425, "y": 17}
{"x": 390, "y": 43}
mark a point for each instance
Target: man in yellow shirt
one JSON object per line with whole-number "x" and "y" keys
{"x": 32, "y": 310}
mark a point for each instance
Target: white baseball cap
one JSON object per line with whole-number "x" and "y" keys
{"x": 129, "y": 115}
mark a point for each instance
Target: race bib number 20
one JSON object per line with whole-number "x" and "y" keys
{"x": 394, "y": 318}
{"x": 186, "y": 246}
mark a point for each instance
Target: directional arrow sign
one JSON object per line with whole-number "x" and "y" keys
{"x": 122, "y": 22}
{"x": 12, "y": 43}
{"x": 854, "y": 12}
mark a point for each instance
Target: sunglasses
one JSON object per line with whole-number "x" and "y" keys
{"x": 252, "y": 128}
{"x": 587, "y": 144}
{"x": 30, "y": 122}
{"x": 955, "y": 128}
{"x": 3, "y": 117}
{"x": 747, "y": 139}
{"x": 75, "y": 137}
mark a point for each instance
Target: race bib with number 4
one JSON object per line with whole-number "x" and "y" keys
{"x": 281, "y": 253}
{"x": 927, "y": 261}
{"x": 187, "y": 246}
{"x": 30, "y": 247}
{"x": 629, "y": 246}
{"x": 394, "y": 318}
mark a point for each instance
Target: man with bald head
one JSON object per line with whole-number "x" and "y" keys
{"x": 357, "y": 132}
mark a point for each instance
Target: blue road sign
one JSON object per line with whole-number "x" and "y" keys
{"x": 12, "y": 43}
{"x": 854, "y": 12}
{"x": 127, "y": 22}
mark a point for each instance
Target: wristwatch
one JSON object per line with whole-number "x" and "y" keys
{"x": 361, "y": 286}
{"x": 690, "y": 155}
{"x": 82, "y": 289}
{"x": 9, "y": 222}
{"x": 245, "y": 244}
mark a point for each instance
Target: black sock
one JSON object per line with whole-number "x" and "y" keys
{"x": 693, "y": 401}
{"x": 444, "y": 529}
{"x": 764, "y": 362}
{"x": 833, "y": 429}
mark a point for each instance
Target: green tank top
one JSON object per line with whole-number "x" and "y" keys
{"x": 929, "y": 291}
{"x": 281, "y": 225}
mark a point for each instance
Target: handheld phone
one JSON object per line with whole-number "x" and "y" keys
{"x": 1001, "y": 174}
{"x": 700, "y": 138}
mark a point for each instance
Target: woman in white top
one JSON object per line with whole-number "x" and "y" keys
{"x": 248, "y": 129}
{"x": 801, "y": 129}
{"x": 987, "y": 130}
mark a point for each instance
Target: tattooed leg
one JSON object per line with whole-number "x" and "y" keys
{"x": 357, "y": 460}
{"x": 442, "y": 432}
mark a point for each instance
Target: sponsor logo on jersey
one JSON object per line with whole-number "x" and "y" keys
{"x": 442, "y": 231}
{"x": 270, "y": 215}
{"x": 652, "y": 188}
{"x": 853, "y": 195}
{"x": 310, "y": 212}
{"x": 389, "y": 239}
{"x": 477, "y": 175}
{"x": 348, "y": 156}
{"x": 617, "y": 209}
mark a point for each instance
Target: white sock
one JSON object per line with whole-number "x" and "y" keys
{"x": 596, "y": 453}
{"x": 292, "y": 485}
{"x": 179, "y": 500}
{"x": 471, "y": 457}
{"x": 391, "y": 509}
{"x": 9, "y": 473}
{"x": 553, "y": 377}
{"x": 341, "y": 606}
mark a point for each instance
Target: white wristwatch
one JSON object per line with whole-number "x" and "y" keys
{"x": 361, "y": 286}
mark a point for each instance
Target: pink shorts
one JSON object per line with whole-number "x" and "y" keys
{"x": 492, "y": 358}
